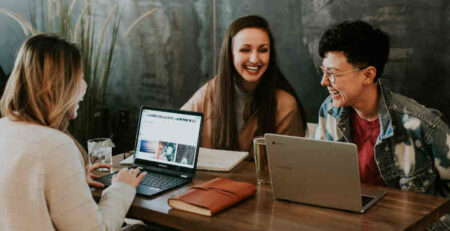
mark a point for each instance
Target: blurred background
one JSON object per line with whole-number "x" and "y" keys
{"x": 171, "y": 53}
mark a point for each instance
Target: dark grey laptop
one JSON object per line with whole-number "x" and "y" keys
{"x": 167, "y": 145}
{"x": 317, "y": 172}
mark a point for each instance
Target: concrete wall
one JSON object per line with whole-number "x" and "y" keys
{"x": 162, "y": 63}
{"x": 11, "y": 34}
{"x": 165, "y": 57}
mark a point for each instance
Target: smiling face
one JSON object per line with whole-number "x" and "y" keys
{"x": 348, "y": 89}
{"x": 251, "y": 52}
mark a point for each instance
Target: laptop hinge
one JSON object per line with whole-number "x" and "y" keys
{"x": 165, "y": 171}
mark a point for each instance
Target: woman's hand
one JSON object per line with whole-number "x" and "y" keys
{"x": 90, "y": 177}
{"x": 130, "y": 176}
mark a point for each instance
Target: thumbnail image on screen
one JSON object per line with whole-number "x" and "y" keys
{"x": 185, "y": 154}
{"x": 166, "y": 151}
{"x": 148, "y": 146}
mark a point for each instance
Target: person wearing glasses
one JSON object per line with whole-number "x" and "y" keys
{"x": 401, "y": 144}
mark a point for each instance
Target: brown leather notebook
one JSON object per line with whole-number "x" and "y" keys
{"x": 212, "y": 196}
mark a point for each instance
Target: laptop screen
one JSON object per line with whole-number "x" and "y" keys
{"x": 168, "y": 137}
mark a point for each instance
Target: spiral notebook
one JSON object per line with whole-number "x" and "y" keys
{"x": 211, "y": 159}
{"x": 219, "y": 160}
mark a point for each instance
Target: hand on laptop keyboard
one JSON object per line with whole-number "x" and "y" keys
{"x": 130, "y": 176}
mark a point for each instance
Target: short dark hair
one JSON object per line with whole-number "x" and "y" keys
{"x": 362, "y": 44}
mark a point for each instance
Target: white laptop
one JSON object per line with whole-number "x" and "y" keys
{"x": 317, "y": 172}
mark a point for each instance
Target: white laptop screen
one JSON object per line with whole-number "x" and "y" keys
{"x": 168, "y": 137}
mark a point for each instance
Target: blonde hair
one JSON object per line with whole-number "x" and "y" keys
{"x": 44, "y": 84}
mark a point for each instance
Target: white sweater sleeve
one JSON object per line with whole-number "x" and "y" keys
{"x": 69, "y": 199}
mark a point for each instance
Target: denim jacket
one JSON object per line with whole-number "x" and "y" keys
{"x": 412, "y": 149}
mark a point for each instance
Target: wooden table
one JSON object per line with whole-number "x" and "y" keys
{"x": 398, "y": 210}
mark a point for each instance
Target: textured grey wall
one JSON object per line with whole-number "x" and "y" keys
{"x": 162, "y": 63}
{"x": 11, "y": 34}
{"x": 167, "y": 55}
{"x": 172, "y": 53}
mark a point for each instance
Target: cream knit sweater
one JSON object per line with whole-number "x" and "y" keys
{"x": 43, "y": 186}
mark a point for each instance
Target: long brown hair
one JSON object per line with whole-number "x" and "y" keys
{"x": 44, "y": 84}
{"x": 264, "y": 104}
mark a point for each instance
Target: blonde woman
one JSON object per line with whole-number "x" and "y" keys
{"x": 43, "y": 182}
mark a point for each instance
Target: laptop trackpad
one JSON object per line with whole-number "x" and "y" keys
{"x": 147, "y": 190}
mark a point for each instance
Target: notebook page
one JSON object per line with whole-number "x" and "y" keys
{"x": 219, "y": 160}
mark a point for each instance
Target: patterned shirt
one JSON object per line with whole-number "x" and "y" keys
{"x": 412, "y": 150}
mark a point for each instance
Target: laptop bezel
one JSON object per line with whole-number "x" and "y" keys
{"x": 163, "y": 166}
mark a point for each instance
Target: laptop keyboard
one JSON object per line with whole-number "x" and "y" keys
{"x": 158, "y": 181}
{"x": 161, "y": 181}
{"x": 366, "y": 199}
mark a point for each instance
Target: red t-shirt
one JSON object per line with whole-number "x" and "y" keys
{"x": 364, "y": 134}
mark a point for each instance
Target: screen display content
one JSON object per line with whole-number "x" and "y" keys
{"x": 168, "y": 138}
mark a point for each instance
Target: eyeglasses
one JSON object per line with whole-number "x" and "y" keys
{"x": 331, "y": 76}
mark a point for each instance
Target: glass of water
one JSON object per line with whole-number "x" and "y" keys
{"x": 262, "y": 164}
{"x": 100, "y": 151}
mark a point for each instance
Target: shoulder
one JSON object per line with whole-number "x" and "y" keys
{"x": 327, "y": 128}
{"x": 326, "y": 105}
{"x": 410, "y": 109}
{"x": 59, "y": 147}
{"x": 202, "y": 95}
{"x": 207, "y": 88}
{"x": 53, "y": 137}
{"x": 328, "y": 110}
{"x": 285, "y": 100}
{"x": 40, "y": 140}
{"x": 33, "y": 133}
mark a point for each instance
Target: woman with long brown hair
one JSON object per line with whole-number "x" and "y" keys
{"x": 250, "y": 95}
{"x": 43, "y": 181}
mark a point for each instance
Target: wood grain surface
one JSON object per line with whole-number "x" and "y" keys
{"x": 398, "y": 210}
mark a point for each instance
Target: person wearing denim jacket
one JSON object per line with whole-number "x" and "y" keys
{"x": 412, "y": 149}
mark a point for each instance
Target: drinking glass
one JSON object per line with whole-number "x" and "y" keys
{"x": 261, "y": 163}
{"x": 100, "y": 151}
